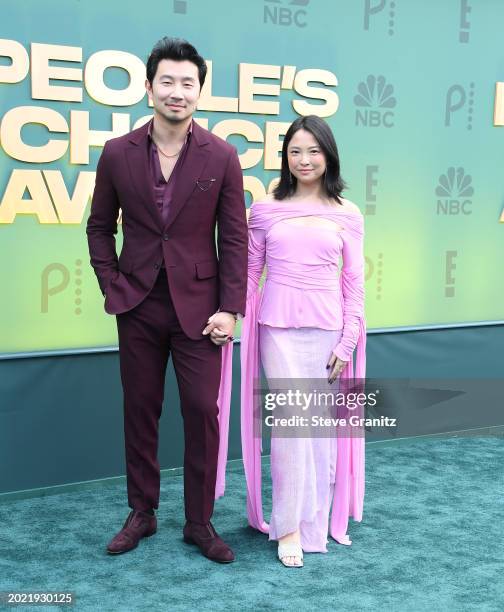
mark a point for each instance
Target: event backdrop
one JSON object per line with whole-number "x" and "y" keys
{"x": 410, "y": 88}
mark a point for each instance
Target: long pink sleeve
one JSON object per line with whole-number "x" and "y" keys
{"x": 256, "y": 257}
{"x": 352, "y": 288}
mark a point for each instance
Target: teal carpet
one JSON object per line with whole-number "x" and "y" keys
{"x": 431, "y": 539}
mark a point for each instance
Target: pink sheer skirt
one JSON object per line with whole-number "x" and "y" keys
{"x": 302, "y": 468}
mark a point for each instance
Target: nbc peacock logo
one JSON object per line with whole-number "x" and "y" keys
{"x": 375, "y": 100}
{"x": 293, "y": 14}
{"x": 454, "y": 191}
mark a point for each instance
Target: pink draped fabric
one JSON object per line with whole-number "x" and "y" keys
{"x": 349, "y": 485}
{"x": 224, "y": 403}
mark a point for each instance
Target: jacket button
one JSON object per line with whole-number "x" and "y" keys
{"x": 165, "y": 236}
{"x": 156, "y": 266}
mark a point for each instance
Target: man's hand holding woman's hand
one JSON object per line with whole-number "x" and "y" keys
{"x": 220, "y": 327}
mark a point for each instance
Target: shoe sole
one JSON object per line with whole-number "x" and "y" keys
{"x": 122, "y": 552}
{"x": 188, "y": 540}
{"x": 287, "y": 565}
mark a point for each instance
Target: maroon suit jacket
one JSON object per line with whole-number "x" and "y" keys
{"x": 203, "y": 276}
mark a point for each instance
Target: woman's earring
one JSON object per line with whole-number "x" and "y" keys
{"x": 290, "y": 177}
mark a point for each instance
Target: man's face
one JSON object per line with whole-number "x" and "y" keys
{"x": 175, "y": 89}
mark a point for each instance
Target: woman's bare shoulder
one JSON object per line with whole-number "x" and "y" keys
{"x": 269, "y": 198}
{"x": 350, "y": 206}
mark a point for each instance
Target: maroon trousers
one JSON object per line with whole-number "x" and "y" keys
{"x": 148, "y": 334}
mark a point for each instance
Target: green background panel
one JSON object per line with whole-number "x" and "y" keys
{"x": 421, "y": 59}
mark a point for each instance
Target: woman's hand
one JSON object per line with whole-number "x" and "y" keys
{"x": 336, "y": 366}
{"x": 220, "y": 328}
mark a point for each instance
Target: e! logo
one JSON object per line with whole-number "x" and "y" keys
{"x": 371, "y": 182}
{"x": 450, "y": 278}
{"x": 465, "y": 9}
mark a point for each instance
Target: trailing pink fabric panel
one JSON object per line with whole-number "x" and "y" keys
{"x": 224, "y": 404}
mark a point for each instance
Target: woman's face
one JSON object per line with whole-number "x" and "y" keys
{"x": 306, "y": 159}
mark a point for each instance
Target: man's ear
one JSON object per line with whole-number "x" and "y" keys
{"x": 148, "y": 88}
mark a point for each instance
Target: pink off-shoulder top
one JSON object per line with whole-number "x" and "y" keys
{"x": 303, "y": 287}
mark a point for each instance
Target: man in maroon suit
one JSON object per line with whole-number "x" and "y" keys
{"x": 174, "y": 183}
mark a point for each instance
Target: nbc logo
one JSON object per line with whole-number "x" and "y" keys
{"x": 292, "y": 14}
{"x": 374, "y": 100}
{"x": 454, "y": 190}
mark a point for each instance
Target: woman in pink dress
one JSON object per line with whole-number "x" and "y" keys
{"x": 304, "y": 324}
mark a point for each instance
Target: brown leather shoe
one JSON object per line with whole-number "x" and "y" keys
{"x": 208, "y": 541}
{"x": 138, "y": 525}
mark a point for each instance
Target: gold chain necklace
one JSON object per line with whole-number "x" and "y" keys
{"x": 166, "y": 154}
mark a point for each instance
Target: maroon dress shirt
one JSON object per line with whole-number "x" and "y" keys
{"x": 163, "y": 189}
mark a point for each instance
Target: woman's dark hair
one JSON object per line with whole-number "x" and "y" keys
{"x": 176, "y": 49}
{"x": 333, "y": 183}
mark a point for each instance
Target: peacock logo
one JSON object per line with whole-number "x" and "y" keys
{"x": 375, "y": 92}
{"x": 455, "y": 183}
{"x": 454, "y": 190}
{"x": 375, "y": 100}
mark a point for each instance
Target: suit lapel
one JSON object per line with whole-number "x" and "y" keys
{"x": 138, "y": 163}
{"x": 185, "y": 183}
{"x": 191, "y": 170}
